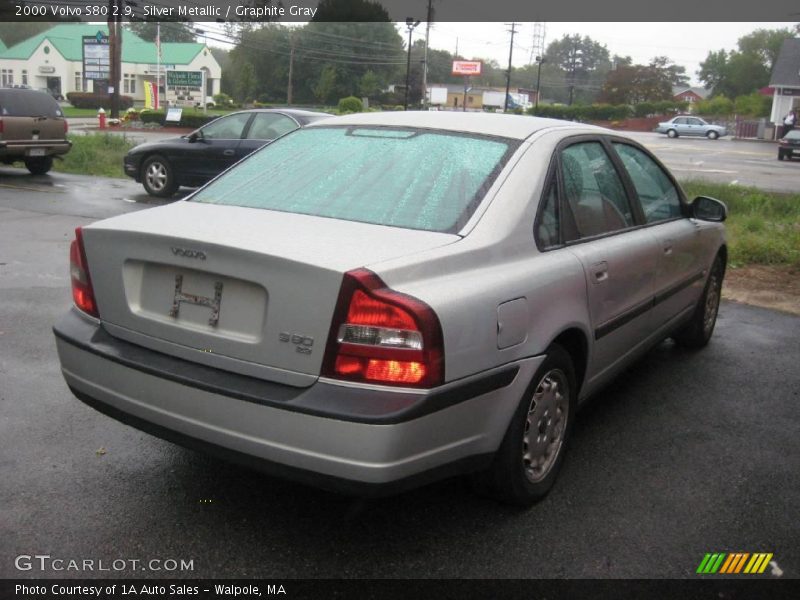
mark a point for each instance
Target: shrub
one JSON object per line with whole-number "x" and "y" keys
{"x": 753, "y": 105}
{"x": 90, "y": 100}
{"x": 223, "y": 100}
{"x": 718, "y": 106}
{"x": 351, "y": 104}
{"x": 670, "y": 106}
{"x": 188, "y": 118}
{"x": 594, "y": 112}
{"x": 644, "y": 109}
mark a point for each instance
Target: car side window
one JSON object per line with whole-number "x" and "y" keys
{"x": 547, "y": 230}
{"x": 268, "y": 126}
{"x": 679, "y": 121}
{"x": 657, "y": 194}
{"x": 695, "y": 122}
{"x": 226, "y": 128}
{"x": 594, "y": 193}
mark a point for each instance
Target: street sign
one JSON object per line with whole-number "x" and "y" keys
{"x": 467, "y": 67}
{"x": 96, "y": 56}
{"x": 185, "y": 79}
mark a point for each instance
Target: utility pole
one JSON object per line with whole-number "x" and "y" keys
{"x": 508, "y": 73}
{"x": 291, "y": 68}
{"x": 115, "y": 54}
{"x": 428, "y": 19}
{"x": 537, "y": 51}
{"x": 411, "y": 24}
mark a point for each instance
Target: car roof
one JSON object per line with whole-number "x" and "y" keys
{"x": 509, "y": 126}
{"x": 22, "y": 102}
{"x": 288, "y": 111}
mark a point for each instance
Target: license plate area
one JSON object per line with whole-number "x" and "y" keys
{"x": 196, "y": 302}
{"x": 36, "y": 152}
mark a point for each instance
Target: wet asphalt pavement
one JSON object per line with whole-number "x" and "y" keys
{"x": 685, "y": 453}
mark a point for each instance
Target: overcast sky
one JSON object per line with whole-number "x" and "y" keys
{"x": 687, "y": 44}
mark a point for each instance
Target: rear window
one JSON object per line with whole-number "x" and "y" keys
{"x": 28, "y": 103}
{"x": 410, "y": 178}
{"x": 794, "y": 134}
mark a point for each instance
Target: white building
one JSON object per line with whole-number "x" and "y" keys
{"x": 53, "y": 60}
{"x": 786, "y": 81}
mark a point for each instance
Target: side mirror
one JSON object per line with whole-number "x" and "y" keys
{"x": 709, "y": 209}
{"x": 195, "y": 136}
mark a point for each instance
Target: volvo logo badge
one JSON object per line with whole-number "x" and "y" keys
{"x": 188, "y": 252}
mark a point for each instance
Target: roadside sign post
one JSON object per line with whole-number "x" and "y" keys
{"x": 96, "y": 57}
{"x": 466, "y": 68}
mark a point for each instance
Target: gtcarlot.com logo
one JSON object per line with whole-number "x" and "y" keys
{"x": 45, "y": 562}
{"x": 734, "y": 563}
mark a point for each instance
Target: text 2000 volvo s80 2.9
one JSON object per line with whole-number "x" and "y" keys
{"x": 380, "y": 300}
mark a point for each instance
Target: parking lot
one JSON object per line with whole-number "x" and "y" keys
{"x": 686, "y": 453}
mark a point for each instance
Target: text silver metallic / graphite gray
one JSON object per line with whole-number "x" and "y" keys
{"x": 380, "y": 300}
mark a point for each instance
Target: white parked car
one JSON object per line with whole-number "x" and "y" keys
{"x": 379, "y": 300}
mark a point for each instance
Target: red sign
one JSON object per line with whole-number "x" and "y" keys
{"x": 466, "y": 67}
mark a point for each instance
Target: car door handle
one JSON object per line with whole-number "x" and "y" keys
{"x": 667, "y": 246}
{"x": 229, "y": 152}
{"x": 599, "y": 272}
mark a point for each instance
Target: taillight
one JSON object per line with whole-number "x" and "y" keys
{"x": 82, "y": 292}
{"x": 66, "y": 126}
{"x": 382, "y": 336}
{"x": 1, "y": 125}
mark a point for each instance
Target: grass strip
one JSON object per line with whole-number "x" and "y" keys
{"x": 763, "y": 227}
{"x": 97, "y": 154}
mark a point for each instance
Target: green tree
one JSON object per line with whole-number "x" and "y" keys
{"x": 714, "y": 69}
{"x": 353, "y": 49}
{"x": 747, "y": 69}
{"x": 584, "y": 64}
{"x": 228, "y": 83}
{"x": 325, "y": 88}
{"x": 246, "y": 83}
{"x": 633, "y": 84}
{"x": 12, "y": 33}
{"x": 370, "y": 86}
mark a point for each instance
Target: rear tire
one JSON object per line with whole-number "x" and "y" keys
{"x": 712, "y": 135}
{"x": 39, "y": 165}
{"x": 780, "y": 155}
{"x": 158, "y": 178}
{"x": 697, "y": 332}
{"x": 527, "y": 463}
{"x": 672, "y": 133}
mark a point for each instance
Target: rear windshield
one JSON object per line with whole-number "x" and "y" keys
{"x": 794, "y": 134}
{"x": 28, "y": 103}
{"x": 411, "y": 178}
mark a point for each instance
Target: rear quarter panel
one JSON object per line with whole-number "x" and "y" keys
{"x": 496, "y": 262}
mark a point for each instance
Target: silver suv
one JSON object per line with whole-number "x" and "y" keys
{"x": 32, "y": 129}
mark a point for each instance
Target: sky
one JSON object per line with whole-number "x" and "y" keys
{"x": 686, "y": 44}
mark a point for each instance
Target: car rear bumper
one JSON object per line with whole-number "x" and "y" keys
{"x": 367, "y": 440}
{"x": 23, "y": 148}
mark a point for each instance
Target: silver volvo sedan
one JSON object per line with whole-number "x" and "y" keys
{"x": 381, "y": 300}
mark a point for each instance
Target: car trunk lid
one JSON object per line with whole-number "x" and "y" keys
{"x": 247, "y": 290}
